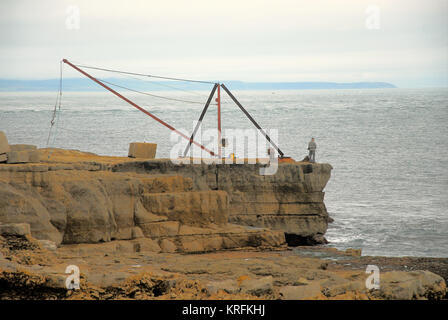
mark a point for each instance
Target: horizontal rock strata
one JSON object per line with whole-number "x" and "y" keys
{"x": 73, "y": 197}
{"x": 291, "y": 200}
{"x": 69, "y": 206}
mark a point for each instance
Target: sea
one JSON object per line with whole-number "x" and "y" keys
{"x": 388, "y": 193}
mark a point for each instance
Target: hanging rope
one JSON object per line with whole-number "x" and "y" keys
{"x": 57, "y": 106}
{"x": 144, "y": 75}
{"x": 165, "y": 85}
{"x": 150, "y": 94}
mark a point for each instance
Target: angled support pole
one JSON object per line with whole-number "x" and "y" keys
{"x": 218, "y": 100}
{"x": 137, "y": 106}
{"x": 201, "y": 117}
{"x": 252, "y": 120}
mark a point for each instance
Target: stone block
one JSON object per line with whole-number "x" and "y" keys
{"x": 22, "y": 147}
{"x": 3, "y": 157}
{"x": 18, "y": 157}
{"x": 142, "y": 150}
{"x": 4, "y": 146}
{"x": 23, "y": 156}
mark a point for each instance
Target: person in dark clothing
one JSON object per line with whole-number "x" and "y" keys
{"x": 312, "y": 150}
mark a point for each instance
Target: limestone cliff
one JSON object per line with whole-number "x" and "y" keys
{"x": 85, "y": 202}
{"x": 73, "y": 197}
{"x": 290, "y": 200}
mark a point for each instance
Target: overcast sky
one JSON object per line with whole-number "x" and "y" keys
{"x": 405, "y": 42}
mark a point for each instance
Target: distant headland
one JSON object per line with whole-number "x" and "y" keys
{"x": 79, "y": 84}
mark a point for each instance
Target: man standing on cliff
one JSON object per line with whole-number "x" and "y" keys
{"x": 312, "y": 148}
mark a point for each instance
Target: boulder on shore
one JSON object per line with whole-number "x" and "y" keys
{"x": 22, "y": 147}
{"x": 24, "y": 156}
{"x": 4, "y": 146}
{"x": 17, "y": 153}
{"x": 142, "y": 150}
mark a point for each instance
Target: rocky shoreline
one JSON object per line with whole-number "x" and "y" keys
{"x": 73, "y": 197}
{"x": 151, "y": 229}
{"x": 31, "y": 269}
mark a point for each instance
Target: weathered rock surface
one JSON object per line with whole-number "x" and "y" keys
{"x": 15, "y": 229}
{"x": 82, "y": 203}
{"x": 130, "y": 226}
{"x": 22, "y": 147}
{"x": 75, "y": 197}
{"x": 411, "y": 285}
{"x": 302, "y": 292}
{"x": 136, "y": 269}
{"x": 17, "y": 153}
{"x": 290, "y": 200}
{"x": 142, "y": 150}
{"x": 22, "y": 156}
{"x": 4, "y": 147}
{"x": 258, "y": 287}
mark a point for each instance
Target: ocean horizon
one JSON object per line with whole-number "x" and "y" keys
{"x": 84, "y": 84}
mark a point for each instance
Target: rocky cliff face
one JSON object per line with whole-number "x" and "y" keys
{"x": 84, "y": 198}
{"x": 290, "y": 201}
{"x": 88, "y": 203}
